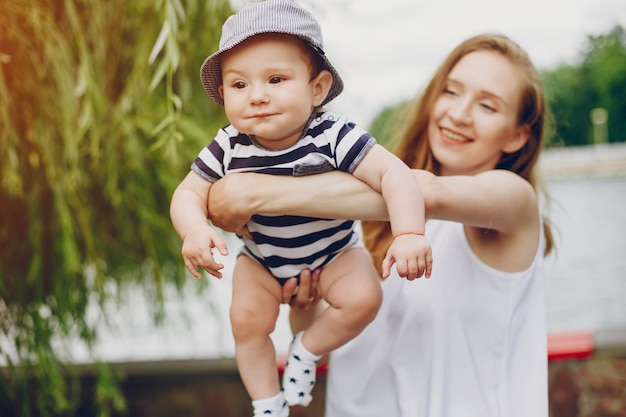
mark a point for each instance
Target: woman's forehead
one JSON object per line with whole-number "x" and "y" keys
{"x": 490, "y": 72}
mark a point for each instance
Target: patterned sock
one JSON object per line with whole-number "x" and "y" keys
{"x": 275, "y": 406}
{"x": 299, "y": 376}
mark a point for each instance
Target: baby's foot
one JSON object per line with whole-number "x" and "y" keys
{"x": 300, "y": 372}
{"x": 275, "y": 406}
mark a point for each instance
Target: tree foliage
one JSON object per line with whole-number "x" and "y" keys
{"x": 383, "y": 124}
{"x": 598, "y": 81}
{"x": 101, "y": 112}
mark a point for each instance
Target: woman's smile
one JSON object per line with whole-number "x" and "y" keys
{"x": 449, "y": 136}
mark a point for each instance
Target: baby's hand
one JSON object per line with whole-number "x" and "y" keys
{"x": 412, "y": 255}
{"x": 197, "y": 251}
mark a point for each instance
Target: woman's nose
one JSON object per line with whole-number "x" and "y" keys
{"x": 460, "y": 112}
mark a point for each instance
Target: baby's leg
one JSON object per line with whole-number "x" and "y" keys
{"x": 253, "y": 314}
{"x": 352, "y": 289}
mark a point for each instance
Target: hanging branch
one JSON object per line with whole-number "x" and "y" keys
{"x": 87, "y": 171}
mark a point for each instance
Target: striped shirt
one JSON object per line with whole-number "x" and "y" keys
{"x": 285, "y": 245}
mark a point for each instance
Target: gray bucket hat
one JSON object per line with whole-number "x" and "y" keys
{"x": 270, "y": 16}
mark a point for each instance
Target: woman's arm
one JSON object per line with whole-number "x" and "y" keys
{"x": 499, "y": 207}
{"x": 337, "y": 195}
{"x": 499, "y": 211}
{"x": 496, "y": 200}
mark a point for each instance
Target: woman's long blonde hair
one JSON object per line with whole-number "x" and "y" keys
{"x": 412, "y": 145}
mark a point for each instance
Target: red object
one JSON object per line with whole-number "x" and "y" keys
{"x": 561, "y": 346}
{"x": 573, "y": 345}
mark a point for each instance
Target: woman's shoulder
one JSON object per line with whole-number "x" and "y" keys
{"x": 514, "y": 196}
{"x": 507, "y": 237}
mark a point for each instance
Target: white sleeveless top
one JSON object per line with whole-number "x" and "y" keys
{"x": 470, "y": 341}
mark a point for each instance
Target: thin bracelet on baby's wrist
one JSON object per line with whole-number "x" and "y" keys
{"x": 408, "y": 233}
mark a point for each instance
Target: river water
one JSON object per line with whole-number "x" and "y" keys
{"x": 586, "y": 286}
{"x": 586, "y": 279}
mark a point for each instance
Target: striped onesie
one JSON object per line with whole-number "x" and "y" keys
{"x": 285, "y": 245}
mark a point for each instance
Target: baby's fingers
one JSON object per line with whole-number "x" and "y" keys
{"x": 408, "y": 268}
{"x": 192, "y": 269}
{"x": 413, "y": 269}
{"x": 386, "y": 266}
{"x": 214, "y": 268}
{"x": 204, "y": 262}
{"x": 218, "y": 242}
{"x": 429, "y": 264}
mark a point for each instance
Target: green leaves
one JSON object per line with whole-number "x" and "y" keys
{"x": 101, "y": 114}
{"x": 599, "y": 80}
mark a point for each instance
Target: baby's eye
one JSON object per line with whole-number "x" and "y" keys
{"x": 239, "y": 85}
{"x": 276, "y": 80}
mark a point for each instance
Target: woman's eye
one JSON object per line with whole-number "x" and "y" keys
{"x": 449, "y": 91}
{"x": 488, "y": 107}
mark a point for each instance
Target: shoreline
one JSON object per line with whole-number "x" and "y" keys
{"x": 602, "y": 160}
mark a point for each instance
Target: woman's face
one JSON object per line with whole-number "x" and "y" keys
{"x": 474, "y": 120}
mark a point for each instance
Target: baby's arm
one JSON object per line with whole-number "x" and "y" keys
{"x": 387, "y": 174}
{"x": 188, "y": 211}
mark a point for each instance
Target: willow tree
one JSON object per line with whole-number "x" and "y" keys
{"x": 101, "y": 111}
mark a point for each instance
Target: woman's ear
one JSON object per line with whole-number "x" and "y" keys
{"x": 519, "y": 139}
{"x": 321, "y": 86}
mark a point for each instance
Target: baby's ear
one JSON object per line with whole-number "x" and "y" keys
{"x": 321, "y": 86}
{"x": 220, "y": 91}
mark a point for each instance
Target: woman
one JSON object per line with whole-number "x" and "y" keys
{"x": 471, "y": 340}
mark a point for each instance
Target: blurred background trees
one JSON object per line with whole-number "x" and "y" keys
{"x": 101, "y": 112}
{"x": 598, "y": 81}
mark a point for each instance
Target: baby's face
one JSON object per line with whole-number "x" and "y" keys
{"x": 267, "y": 89}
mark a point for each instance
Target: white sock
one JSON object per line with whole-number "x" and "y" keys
{"x": 275, "y": 406}
{"x": 299, "y": 376}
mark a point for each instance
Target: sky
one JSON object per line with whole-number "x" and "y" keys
{"x": 387, "y": 50}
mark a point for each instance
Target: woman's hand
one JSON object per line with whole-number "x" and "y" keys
{"x": 230, "y": 206}
{"x": 306, "y": 304}
{"x": 305, "y": 294}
